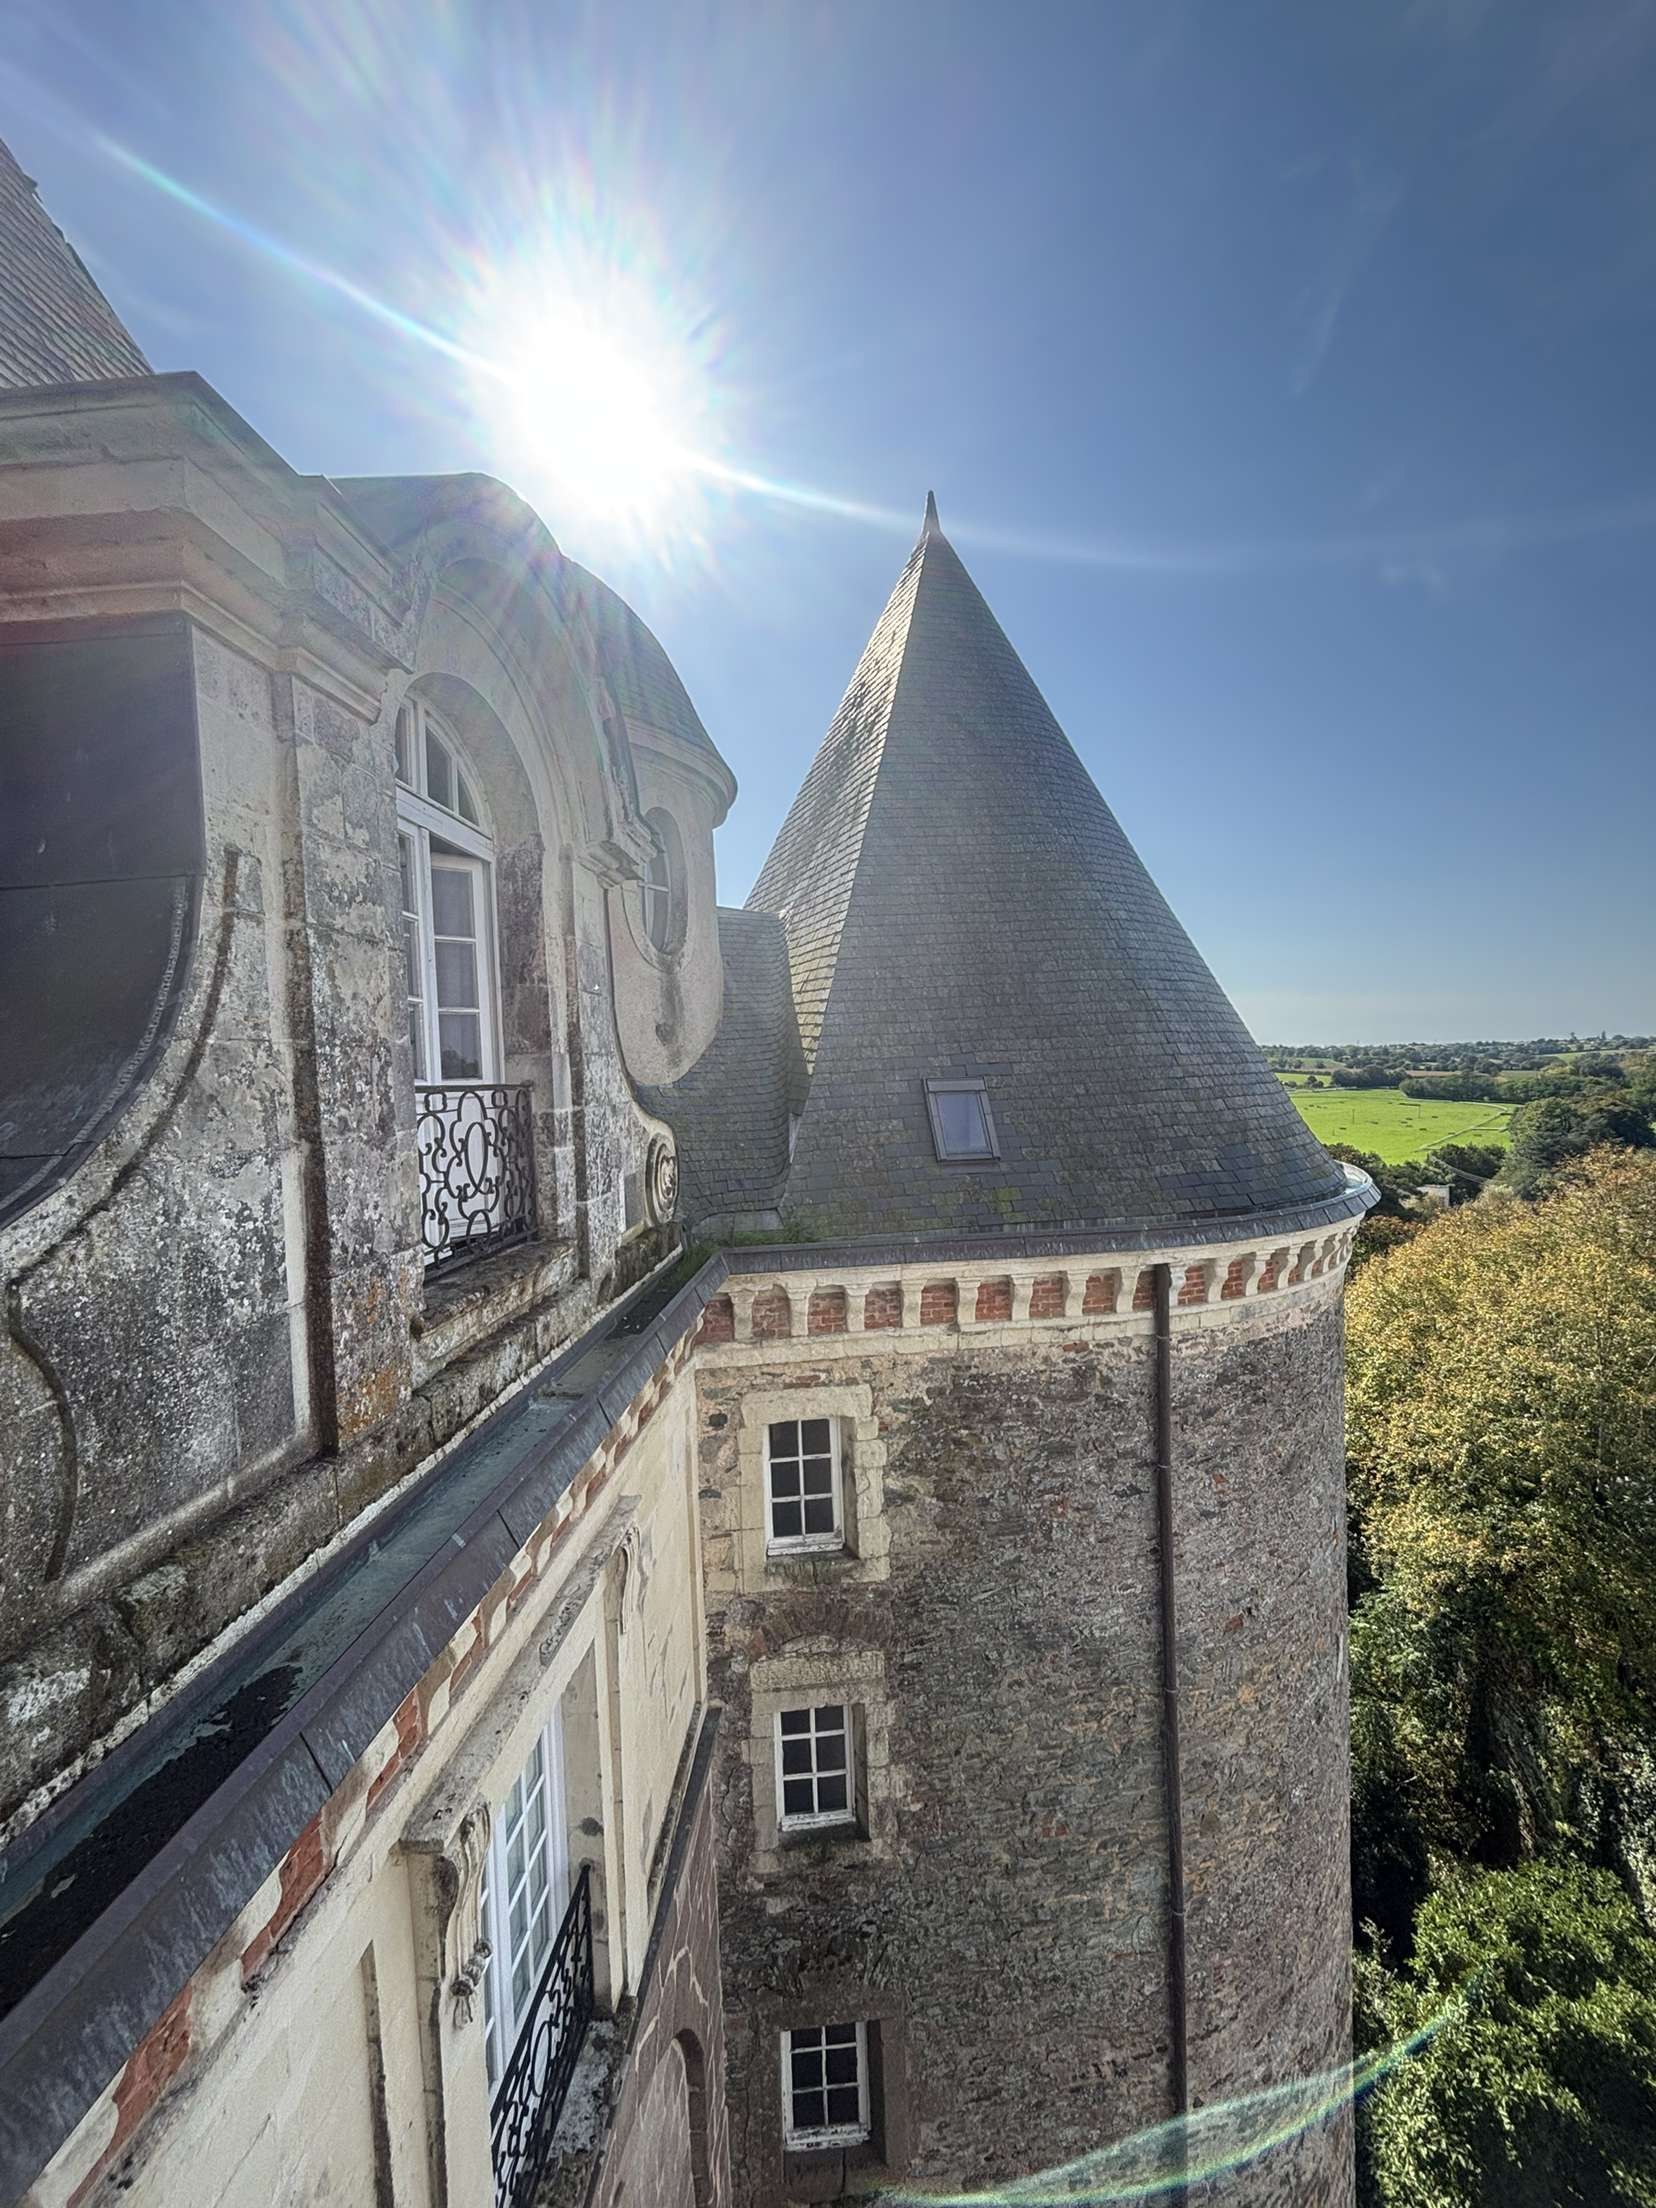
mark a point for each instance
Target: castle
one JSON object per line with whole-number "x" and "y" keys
{"x": 652, "y": 1552}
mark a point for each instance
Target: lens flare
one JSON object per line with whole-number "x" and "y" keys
{"x": 1206, "y": 2147}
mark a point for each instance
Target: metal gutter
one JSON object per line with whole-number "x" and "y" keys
{"x": 310, "y": 1688}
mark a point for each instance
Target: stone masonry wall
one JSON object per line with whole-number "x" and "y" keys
{"x": 1004, "y": 1922}
{"x": 669, "y": 2142}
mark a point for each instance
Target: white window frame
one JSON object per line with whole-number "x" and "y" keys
{"x": 817, "y": 1820}
{"x": 802, "y": 1543}
{"x": 502, "y": 2017}
{"x": 662, "y": 887}
{"x": 468, "y": 845}
{"x": 814, "y": 2137}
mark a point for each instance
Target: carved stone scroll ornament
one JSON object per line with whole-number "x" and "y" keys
{"x": 661, "y": 1181}
{"x": 460, "y": 1887}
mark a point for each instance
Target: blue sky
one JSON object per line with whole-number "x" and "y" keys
{"x": 1286, "y": 374}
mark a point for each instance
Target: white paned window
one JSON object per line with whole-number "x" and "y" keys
{"x": 803, "y": 1505}
{"x": 525, "y": 1893}
{"x": 661, "y": 893}
{"x": 825, "y": 2085}
{"x": 815, "y": 1785}
{"x": 446, "y": 860}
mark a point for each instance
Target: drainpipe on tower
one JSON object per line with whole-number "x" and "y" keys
{"x": 1177, "y": 1988}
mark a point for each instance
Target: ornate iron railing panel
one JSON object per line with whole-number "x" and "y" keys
{"x": 531, "y": 2095}
{"x": 477, "y": 1169}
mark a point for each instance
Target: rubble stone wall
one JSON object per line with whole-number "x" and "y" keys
{"x": 1002, "y": 1920}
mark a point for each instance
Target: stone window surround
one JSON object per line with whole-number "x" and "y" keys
{"x": 865, "y": 1555}
{"x": 806, "y": 1543}
{"x": 814, "y": 2139}
{"x": 482, "y": 734}
{"x": 865, "y": 2166}
{"x": 842, "y": 1733}
{"x": 814, "y": 1672}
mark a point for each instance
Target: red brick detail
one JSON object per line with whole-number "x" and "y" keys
{"x": 882, "y": 1307}
{"x": 718, "y": 1321}
{"x": 1272, "y": 1273}
{"x": 826, "y": 1312}
{"x": 1194, "y": 1286}
{"x": 410, "y": 1724}
{"x": 150, "y": 2069}
{"x": 1235, "y": 1284}
{"x": 1144, "y": 1295}
{"x": 1101, "y": 1292}
{"x": 303, "y": 1869}
{"x": 994, "y": 1299}
{"x": 939, "y": 1303}
{"x": 772, "y": 1315}
{"x": 1048, "y": 1296}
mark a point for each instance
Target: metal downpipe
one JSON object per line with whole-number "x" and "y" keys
{"x": 1177, "y": 1982}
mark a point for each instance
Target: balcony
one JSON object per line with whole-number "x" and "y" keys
{"x": 532, "y": 2091}
{"x": 477, "y": 1170}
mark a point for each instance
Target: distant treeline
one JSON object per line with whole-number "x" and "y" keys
{"x": 1387, "y": 1065}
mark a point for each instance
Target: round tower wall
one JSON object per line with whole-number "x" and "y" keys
{"x": 999, "y": 1919}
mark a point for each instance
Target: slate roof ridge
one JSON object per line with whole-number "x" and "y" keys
{"x": 806, "y": 882}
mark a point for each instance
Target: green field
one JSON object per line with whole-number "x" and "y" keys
{"x": 1393, "y": 1126}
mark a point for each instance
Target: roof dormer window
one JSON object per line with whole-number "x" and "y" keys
{"x": 962, "y": 1125}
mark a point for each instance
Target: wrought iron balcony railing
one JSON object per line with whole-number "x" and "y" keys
{"x": 477, "y": 1169}
{"x": 536, "y": 2081}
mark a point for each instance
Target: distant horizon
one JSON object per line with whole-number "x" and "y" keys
{"x": 1628, "y": 1038}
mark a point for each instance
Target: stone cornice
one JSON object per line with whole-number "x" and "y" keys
{"x": 768, "y": 1310}
{"x": 152, "y": 496}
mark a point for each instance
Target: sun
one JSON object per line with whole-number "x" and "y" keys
{"x": 598, "y": 404}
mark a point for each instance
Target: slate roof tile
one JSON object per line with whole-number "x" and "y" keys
{"x": 958, "y": 899}
{"x": 56, "y": 326}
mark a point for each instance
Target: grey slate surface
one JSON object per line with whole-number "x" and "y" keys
{"x": 56, "y": 326}
{"x": 959, "y": 900}
{"x": 644, "y": 680}
{"x": 730, "y": 1111}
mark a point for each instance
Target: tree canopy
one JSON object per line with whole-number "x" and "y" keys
{"x": 1502, "y": 1423}
{"x": 1534, "y": 2085}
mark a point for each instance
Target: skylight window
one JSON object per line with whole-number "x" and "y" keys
{"x": 962, "y": 1125}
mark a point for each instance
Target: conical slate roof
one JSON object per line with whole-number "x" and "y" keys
{"x": 56, "y": 326}
{"x": 960, "y": 903}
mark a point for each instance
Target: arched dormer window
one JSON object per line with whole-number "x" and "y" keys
{"x": 447, "y": 871}
{"x": 662, "y": 889}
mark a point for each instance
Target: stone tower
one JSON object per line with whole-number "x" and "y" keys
{"x": 1022, "y": 1484}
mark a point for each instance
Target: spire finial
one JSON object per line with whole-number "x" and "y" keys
{"x": 931, "y": 527}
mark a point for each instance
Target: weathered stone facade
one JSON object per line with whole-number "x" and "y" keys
{"x": 1002, "y": 1910}
{"x": 348, "y": 1589}
{"x": 222, "y": 1344}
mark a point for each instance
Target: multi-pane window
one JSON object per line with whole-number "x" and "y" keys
{"x": 660, "y": 889}
{"x": 962, "y": 1125}
{"x": 803, "y": 1506}
{"x": 814, "y": 1770}
{"x": 525, "y": 1890}
{"x": 447, "y": 906}
{"x": 825, "y": 2085}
